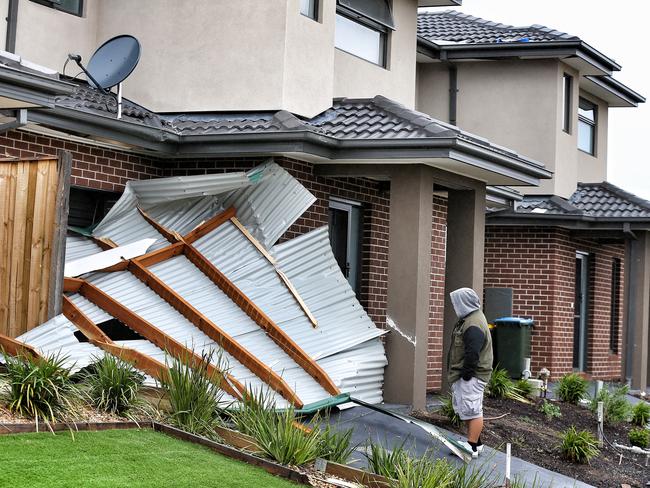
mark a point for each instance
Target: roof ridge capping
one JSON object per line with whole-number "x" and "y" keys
{"x": 419, "y": 119}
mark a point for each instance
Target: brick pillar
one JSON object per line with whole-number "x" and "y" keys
{"x": 409, "y": 270}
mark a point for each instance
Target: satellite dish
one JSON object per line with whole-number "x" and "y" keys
{"x": 114, "y": 61}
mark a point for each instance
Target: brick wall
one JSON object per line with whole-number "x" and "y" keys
{"x": 92, "y": 166}
{"x": 539, "y": 264}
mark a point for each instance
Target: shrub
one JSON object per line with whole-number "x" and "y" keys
{"x": 40, "y": 388}
{"x": 578, "y": 446}
{"x": 387, "y": 463}
{"x": 525, "y": 388}
{"x": 335, "y": 445}
{"x": 616, "y": 407}
{"x": 194, "y": 395}
{"x": 447, "y": 409}
{"x": 550, "y": 410}
{"x": 572, "y": 388}
{"x": 500, "y": 384}
{"x": 276, "y": 432}
{"x": 639, "y": 438}
{"x": 113, "y": 384}
{"x": 641, "y": 414}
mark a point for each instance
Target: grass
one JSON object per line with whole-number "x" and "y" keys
{"x": 501, "y": 386}
{"x": 578, "y": 446}
{"x": 447, "y": 409}
{"x": 616, "y": 407}
{"x": 113, "y": 385}
{"x": 572, "y": 388}
{"x": 641, "y": 414}
{"x": 119, "y": 458}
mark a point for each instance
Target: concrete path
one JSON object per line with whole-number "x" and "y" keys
{"x": 389, "y": 432}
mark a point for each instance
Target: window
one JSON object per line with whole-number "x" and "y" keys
{"x": 74, "y": 7}
{"x": 587, "y": 119}
{"x": 567, "y": 102}
{"x": 89, "y": 207}
{"x": 362, "y": 28}
{"x": 615, "y": 309}
{"x": 309, "y": 8}
{"x": 345, "y": 229}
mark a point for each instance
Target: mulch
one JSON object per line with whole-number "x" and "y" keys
{"x": 535, "y": 439}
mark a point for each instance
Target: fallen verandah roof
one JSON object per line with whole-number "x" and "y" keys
{"x": 227, "y": 287}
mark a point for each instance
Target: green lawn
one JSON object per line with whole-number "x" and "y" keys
{"x": 121, "y": 458}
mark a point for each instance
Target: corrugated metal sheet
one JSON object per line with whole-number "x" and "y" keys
{"x": 77, "y": 247}
{"x": 56, "y": 337}
{"x": 141, "y": 300}
{"x": 191, "y": 284}
{"x": 92, "y": 311}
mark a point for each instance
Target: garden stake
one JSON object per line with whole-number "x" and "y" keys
{"x": 508, "y": 465}
{"x": 600, "y": 424}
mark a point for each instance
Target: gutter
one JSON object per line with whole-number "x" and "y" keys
{"x": 617, "y": 89}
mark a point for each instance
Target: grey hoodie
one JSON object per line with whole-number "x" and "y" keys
{"x": 465, "y": 301}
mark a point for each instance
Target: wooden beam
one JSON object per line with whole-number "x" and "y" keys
{"x": 285, "y": 279}
{"x": 72, "y": 285}
{"x": 104, "y": 242}
{"x": 160, "y": 255}
{"x": 209, "y": 225}
{"x": 150, "y": 332}
{"x": 59, "y": 233}
{"x": 166, "y": 233}
{"x": 261, "y": 319}
{"x": 17, "y": 348}
{"x": 229, "y": 344}
{"x": 97, "y": 337}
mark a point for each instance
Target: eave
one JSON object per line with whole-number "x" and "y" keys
{"x": 615, "y": 93}
{"x": 22, "y": 89}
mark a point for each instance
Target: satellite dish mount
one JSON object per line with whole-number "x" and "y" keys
{"x": 111, "y": 64}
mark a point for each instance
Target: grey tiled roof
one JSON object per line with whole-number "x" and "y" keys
{"x": 595, "y": 200}
{"x": 91, "y": 100}
{"x": 453, "y": 26}
{"x": 607, "y": 200}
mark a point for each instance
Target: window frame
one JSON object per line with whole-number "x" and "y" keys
{"x": 369, "y": 24}
{"x": 615, "y": 307}
{"x": 592, "y": 124}
{"x": 54, "y": 6}
{"x": 316, "y": 11}
{"x": 567, "y": 102}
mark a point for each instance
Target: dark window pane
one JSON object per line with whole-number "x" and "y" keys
{"x": 359, "y": 40}
{"x": 309, "y": 8}
{"x": 74, "y": 7}
{"x": 567, "y": 85}
{"x": 378, "y": 10}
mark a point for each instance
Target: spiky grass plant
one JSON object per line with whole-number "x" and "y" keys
{"x": 641, "y": 414}
{"x": 616, "y": 407}
{"x": 387, "y": 463}
{"x": 425, "y": 473}
{"x": 447, "y": 409}
{"x": 578, "y": 446}
{"x": 335, "y": 445}
{"x": 572, "y": 388}
{"x": 501, "y": 386}
{"x": 276, "y": 432}
{"x": 113, "y": 385}
{"x": 524, "y": 387}
{"x": 194, "y": 394}
{"x": 40, "y": 388}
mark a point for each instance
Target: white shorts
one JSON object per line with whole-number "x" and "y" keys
{"x": 467, "y": 398}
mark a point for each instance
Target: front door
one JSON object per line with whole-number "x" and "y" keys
{"x": 580, "y": 312}
{"x": 345, "y": 237}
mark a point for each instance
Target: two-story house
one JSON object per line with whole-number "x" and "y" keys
{"x": 574, "y": 250}
{"x": 327, "y": 88}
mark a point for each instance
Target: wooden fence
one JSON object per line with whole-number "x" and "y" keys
{"x": 33, "y": 215}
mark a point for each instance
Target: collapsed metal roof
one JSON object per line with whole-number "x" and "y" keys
{"x": 281, "y": 316}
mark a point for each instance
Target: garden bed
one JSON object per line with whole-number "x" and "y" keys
{"x": 535, "y": 439}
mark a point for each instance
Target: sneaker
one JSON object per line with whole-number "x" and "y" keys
{"x": 479, "y": 449}
{"x": 466, "y": 445}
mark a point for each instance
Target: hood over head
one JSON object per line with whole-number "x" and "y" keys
{"x": 465, "y": 301}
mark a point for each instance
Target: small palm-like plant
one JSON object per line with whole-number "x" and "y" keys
{"x": 641, "y": 414}
{"x": 195, "y": 396}
{"x": 572, "y": 388}
{"x": 578, "y": 446}
{"x": 39, "y": 388}
{"x": 113, "y": 385}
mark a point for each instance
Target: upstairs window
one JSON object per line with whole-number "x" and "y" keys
{"x": 362, "y": 28}
{"x": 309, "y": 8}
{"x": 567, "y": 102}
{"x": 74, "y": 7}
{"x": 587, "y": 120}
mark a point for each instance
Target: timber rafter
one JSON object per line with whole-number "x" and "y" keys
{"x": 14, "y": 347}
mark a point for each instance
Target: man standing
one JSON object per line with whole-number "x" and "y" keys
{"x": 469, "y": 363}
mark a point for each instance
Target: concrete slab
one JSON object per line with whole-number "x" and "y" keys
{"x": 370, "y": 426}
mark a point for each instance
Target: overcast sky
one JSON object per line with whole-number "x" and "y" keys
{"x": 620, "y": 30}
